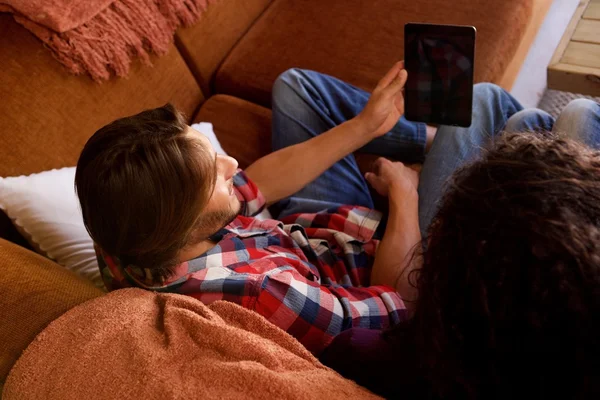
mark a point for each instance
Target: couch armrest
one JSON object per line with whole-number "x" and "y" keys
{"x": 35, "y": 291}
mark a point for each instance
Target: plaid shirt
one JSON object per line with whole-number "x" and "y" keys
{"x": 308, "y": 274}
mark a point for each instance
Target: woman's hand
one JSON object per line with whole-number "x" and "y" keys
{"x": 386, "y": 104}
{"x": 393, "y": 177}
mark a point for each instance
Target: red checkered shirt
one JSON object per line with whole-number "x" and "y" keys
{"x": 307, "y": 274}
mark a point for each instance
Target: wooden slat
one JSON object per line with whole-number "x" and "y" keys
{"x": 572, "y": 78}
{"x": 577, "y": 69}
{"x": 593, "y": 10}
{"x": 588, "y": 30}
{"x": 575, "y": 65}
{"x": 583, "y": 54}
{"x": 566, "y": 38}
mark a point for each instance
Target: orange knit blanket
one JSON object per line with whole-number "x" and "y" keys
{"x": 101, "y": 37}
{"x": 136, "y": 344}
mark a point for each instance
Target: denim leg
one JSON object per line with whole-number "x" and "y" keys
{"x": 306, "y": 104}
{"x": 530, "y": 120}
{"x": 580, "y": 120}
{"x": 454, "y": 146}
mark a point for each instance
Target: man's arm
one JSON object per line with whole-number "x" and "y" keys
{"x": 286, "y": 171}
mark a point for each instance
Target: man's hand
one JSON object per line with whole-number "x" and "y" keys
{"x": 393, "y": 177}
{"x": 386, "y": 104}
{"x": 282, "y": 173}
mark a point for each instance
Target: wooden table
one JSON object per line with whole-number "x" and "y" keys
{"x": 575, "y": 66}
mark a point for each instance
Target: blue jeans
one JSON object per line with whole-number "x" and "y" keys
{"x": 306, "y": 104}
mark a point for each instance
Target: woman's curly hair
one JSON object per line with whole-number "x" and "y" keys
{"x": 509, "y": 289}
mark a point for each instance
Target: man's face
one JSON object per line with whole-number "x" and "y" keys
{"x": 223, "y": 205}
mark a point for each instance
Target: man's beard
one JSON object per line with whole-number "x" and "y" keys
{"x": 210, "y": 223}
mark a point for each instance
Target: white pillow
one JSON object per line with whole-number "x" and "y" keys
{"x": 45, "y": 210}
{"x": 206, "y": 128}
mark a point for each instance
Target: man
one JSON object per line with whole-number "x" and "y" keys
{"x": 169, "y": 214}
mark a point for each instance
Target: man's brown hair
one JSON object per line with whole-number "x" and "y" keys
{"x": 142, "y": 182}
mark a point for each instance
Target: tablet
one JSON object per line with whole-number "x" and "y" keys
{"x": 440, "y": 62}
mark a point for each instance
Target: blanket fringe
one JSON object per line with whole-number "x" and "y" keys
{"x": 127, "y": 29}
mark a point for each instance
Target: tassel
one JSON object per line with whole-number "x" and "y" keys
{"x": 127, "y": 29}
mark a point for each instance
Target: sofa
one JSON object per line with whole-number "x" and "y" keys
{"x": 218, "y": 70}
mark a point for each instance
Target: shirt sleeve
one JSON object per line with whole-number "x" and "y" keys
{"x": 315, "y": 313}
{"x": 251, "y": 199}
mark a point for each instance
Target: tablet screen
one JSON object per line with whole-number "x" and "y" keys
{"x": 440, "y": 62}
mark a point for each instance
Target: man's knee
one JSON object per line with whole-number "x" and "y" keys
{"x": 574, "y": 119}
{"x": 487, "y": 90}
{"x": 576, "y": 108}
{"x": 286, "y": 85}
{"x": 529, "y": 119}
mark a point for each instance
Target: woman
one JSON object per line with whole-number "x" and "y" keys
{"x": 508, "y": 285}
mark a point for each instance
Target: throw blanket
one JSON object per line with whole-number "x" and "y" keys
{"x": 136, "y": 344}
{"x": 102, "y": 36}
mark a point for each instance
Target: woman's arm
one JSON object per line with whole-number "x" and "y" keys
{"x": 394, "y": 259}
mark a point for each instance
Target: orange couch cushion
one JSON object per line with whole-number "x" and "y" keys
{"x": 205, "y": 44}
{"x": 46, "y": 114}
{"x": 243, "y": 128}
{"x": 358, "y": 41}
{"x": 35, "y": 291}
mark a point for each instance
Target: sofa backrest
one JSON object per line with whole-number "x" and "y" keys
{"x": 47, "y": 114}
{"x": 207, "y": 43}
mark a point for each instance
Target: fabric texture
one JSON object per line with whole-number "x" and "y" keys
{"x": 167, "y": 346}
{"x": 307, "y": 274}
{"x": 101, "y": 37}
{"x": 554, "y": 101}
{"x": 358, "y": 41}
{"x": 204, "y": 45}
{"x": 34, "y": 291}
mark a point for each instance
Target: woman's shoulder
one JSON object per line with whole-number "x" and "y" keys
{"x": 370, "y": 358}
